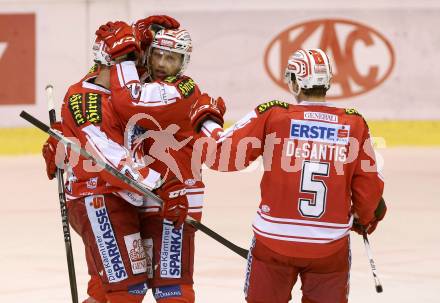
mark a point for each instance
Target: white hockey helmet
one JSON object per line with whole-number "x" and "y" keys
{"x": 174, "y": 40}
{"x": 311, "y": 68}
{"x": 100, "y": 54}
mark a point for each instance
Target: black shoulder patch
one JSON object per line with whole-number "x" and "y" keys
{"x": 170, "y": 79}
{"x": 186, "y": 87}
{"x": 76, "y": 109}
{"x": 93, "y": 108}
{"x": 268, "y": 105}
{"x": 352, "y": 111}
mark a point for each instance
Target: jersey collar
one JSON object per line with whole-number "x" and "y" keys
{"x": 316, "y": 103}
{"x": 93, "y": 86}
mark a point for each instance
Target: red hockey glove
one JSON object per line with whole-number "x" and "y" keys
{"x": 143, "y": 28}
{"x": 119, "y": 38}
{"x": 162, "y": 20}
{"x": 379, "y": 214}
{"x": 49, "y": 152}
{"x": 206, "y": 108}
{"x": 175, "y": 203}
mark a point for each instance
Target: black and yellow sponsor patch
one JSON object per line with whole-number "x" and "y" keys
{"x": 352, "y": 111}
{"x": 268, "y": 105}
{"x": 93, "y": 69}
{"x": 90, "y": 103}
{"x": 186, "y": 87}
{"x": 93, "y": 108}
{"x": 170, "y": 79}
{"x": 76, "y": 109}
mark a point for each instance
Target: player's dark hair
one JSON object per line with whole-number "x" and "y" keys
{"x": 316, "y": 91}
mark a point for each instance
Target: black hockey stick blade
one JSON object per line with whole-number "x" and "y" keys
{"x": 379, "y": 288}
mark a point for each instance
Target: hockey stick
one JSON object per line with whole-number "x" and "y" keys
{"x": 63, "y": 206}
{"x": 134, "y": 184}
{"x": 379, "y": 287}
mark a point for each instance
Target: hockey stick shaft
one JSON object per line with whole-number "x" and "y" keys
{"x": 134, "y": 184}
{"x": 235, "y": 248}
{"x": 63, "y": 207}
{"x": 379, "y": 287}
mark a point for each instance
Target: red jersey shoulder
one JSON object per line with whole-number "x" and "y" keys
{"x": 264, "y": 107}
{"x": 184, "y": 84}
{"x": 355, "y": 114}
{"x": 84, "y": 104}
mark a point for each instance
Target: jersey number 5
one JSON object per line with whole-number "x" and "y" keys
{"x": 315, "y": 207}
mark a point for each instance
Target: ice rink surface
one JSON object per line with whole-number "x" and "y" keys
{"x": 405, "y": 246}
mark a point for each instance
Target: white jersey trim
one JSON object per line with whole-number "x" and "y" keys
{"x": 306, "y": 222}
{"x": 299, "y": 230}
{"x": 296, "y": 239}
{"x": 195, "y": 200}
{"x": 209, "y": 127}
{"x": 157, "y": 94}
{"x": 127, "y": 73}
{"x": 317, "y": 103}
{"x": 89, "y": 85}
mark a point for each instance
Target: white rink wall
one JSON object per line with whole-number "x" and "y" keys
{"x": 383, "y": 51}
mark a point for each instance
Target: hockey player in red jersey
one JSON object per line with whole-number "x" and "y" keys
{"x": 103, "y": 209}
{"x": 320, "y": 173}
{"x": 159, "y": 110}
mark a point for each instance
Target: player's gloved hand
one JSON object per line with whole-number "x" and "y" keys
{"x": 206, "y": 108}
{"x": 162, "y": 20}
{"x": 379, "y": 214}
{"x": 144, "y": 27}
{"x": 49, "y": 152}
{"x": 119, "y": 38}
{"x": 175, "y": 202}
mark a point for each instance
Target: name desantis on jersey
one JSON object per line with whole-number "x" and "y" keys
{"x": 329, "y": 141}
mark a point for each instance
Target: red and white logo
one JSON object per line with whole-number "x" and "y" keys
{"x": 136, "y": 252}
{"x": 17, "y": 59}
{"x": 361, "y": 57}
{"x": 98, "y": 202}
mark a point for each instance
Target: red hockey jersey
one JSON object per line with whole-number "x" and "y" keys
{"x": 161, "y": 109}
{"x": 319, "y": 169}
{"x": 89, "y": 119}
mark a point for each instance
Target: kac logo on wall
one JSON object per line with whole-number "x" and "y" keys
{"x": 361, "y": 57}
{"x": 17, "y": 59}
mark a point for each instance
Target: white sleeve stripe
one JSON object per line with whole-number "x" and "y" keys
{"x": 209, "y": 127}
{"x": 195, "y": 200}
{"x": 110, "y": 151}
{"x": 195, "y": 190}
{"x": 206, "y": 131}
{"x": 192, "y": 211}
{"x": 152, "y": 179}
